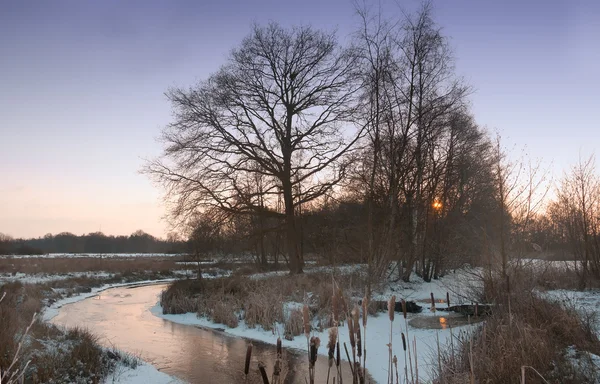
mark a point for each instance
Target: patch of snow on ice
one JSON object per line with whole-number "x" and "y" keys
{"x": 143, "y": 374}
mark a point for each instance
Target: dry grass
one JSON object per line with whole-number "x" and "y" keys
{"x": 65, "y": 265}
{"x": 294, "y": 324}
{"x": 54, "y": 355}
{"x": 263, "y": 308}
{"x": 523, "y": 330}
{"x": 259, "y": 302}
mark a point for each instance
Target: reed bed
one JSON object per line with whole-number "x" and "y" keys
{"x": 522, "y": 341}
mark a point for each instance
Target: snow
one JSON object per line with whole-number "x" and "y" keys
{"x": 378, "y": 327}
{"x": 143, "y": 374}
{"x": 92, "y": 255}
{"x": 342, "y": 269}
{"x": 36, "y": 278}
{"x": 462, "y": 285}
{"x": 585, "y": 362}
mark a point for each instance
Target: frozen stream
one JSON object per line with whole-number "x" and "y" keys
{"x": 121, "y": 317}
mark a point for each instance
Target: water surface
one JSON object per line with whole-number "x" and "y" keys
{"x": 121, "y": 317}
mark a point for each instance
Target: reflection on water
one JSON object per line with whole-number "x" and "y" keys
{"x": 121, "y": 317}
{"x": 443, "y": 322}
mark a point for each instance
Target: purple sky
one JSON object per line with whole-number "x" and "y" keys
{"x": 82, "y": 83}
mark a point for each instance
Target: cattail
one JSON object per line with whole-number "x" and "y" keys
{"x": 315, "y": 342}
{"x": 404, "y": 308}
{"x": 403, "y": 341}
{"x": 356, "y": 317}
{"x": 306, "y": 320}
{"x": 331, "y": 344}
{"x": 263, "y": 372}
{"x": 448, "y": 299}
{"x": 337, "y": 354}
{"x": 391, "y": 307}
{"x": 358, "y": 342}
{"x": 351, "y": 333}
{"x": 279, "y": 349}
{"x": 432, "y": 303}
{"x": 365, "y": 309}
{"x": 343, "y": 300}
{"x": 248, "y": 356}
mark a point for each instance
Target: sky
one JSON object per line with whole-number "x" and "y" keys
{"x": 82, "y": 87}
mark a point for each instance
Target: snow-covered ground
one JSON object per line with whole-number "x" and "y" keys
{"x": 35, "y": 278}
{"x": 378, "y": 327}
{"x": 93, "y": 255}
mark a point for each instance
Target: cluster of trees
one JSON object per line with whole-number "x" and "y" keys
{"x": 299, "y": 145}
{"x": 137, "y": 242}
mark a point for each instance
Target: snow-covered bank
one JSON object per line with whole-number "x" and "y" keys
{"x": 378, "y": 328}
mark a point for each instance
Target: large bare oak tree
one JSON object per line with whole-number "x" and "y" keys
{"x": 279, "y": 111}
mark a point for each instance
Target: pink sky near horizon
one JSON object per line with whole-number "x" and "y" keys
{"x": 82, "y": 83}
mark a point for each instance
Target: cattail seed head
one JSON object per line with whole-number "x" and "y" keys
{"x": 404, "y": 308}
{"x": 343, "y": 301}
{"x": 351, "y": 332}
{"x": 315, "y": 342}
{"x": 356, "y": 317}
{"x": 403, "y": 341}
{"x": 279, "y": 349}
{"x": 391, "y": 307}
{"x": 337, "y": 354}
{"x": 358, "y": 342}
{"x": 306, "y": 320}
{"x": 248, "y": 357}
{"x": 448, "y": 299}
{"x": 432, "y": 303}
{"x": 331, "y": 344}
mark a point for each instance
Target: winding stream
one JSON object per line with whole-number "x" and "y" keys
{"x": 121, "y": 317}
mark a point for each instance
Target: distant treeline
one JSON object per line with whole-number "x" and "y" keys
{"x": 65, "y": 242}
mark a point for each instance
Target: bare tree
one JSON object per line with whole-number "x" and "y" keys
{"x": 410, "y": 93}
{"x": 204, "y": 238}
{"x": 576, "y": 213}
{"x": 281, "y": 108}
{"x": 521, "y": 189}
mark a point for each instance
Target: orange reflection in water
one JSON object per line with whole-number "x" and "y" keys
{"x": 443, "y": 323}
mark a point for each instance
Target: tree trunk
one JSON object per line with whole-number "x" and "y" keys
{"x": 293, "y": 249}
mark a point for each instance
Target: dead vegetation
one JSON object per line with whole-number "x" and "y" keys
{"x": 65, "y": 265}
{"x": 260, "y": 302}
{"x": 39, "y": 352}
{"x": 525, "y": 338}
